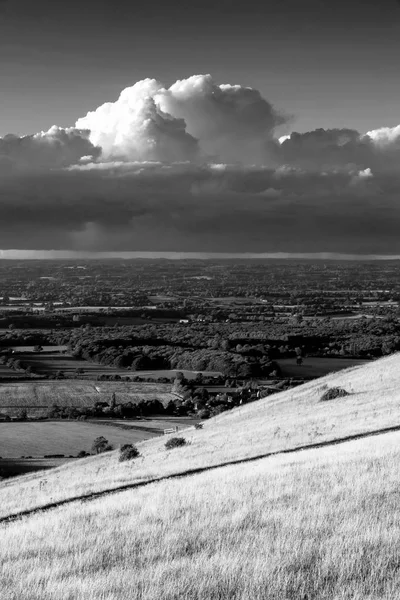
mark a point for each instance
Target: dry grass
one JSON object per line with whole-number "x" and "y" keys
{"x": 285, "y": 420}
{"x": 318, "y": 525}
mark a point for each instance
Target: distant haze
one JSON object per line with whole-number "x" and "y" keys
{"x": 71, "y": 255}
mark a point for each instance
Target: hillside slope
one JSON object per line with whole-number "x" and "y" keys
{"x": 316, "y": 525}
{"x": 285, "y": 420}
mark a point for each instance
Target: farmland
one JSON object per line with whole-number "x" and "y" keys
{"x": 41, "y": 438}
{"x": 315, "y": 366}
{"x": 43, "y": 394}
{"x": 55, "y": 359}
{"x": 171, "y": 373}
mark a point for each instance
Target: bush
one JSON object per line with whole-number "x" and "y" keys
{"x": 175, "y": 442}
{"x": 82, "y": 454}
{"x": 128, "y": 452}
{"x": 332, "y": 393}
{"x": 198, "y": 426}
{"x": 204, "y": 413}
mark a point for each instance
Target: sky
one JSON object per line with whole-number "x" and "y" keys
{"x": 197, "y": 166}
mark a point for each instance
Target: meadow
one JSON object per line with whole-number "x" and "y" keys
{"x": 51, "y": 360}
{"x": 61, "y": 437}
{"x": 39, "y": 395}
{"x": 286, "y": 420}
{"x": 314, "y": 366}
{"x": 318, "y": 525}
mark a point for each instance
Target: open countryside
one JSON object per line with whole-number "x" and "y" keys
{"x": 238, "y": 383}
{"x": 223, "y": 513}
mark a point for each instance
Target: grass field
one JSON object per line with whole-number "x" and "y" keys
{"x": 321, "y": 525}
{"x": 38, "y": 395}
{"x": 50, "y": 362}
{"x": 60, "y": 437}
{"x": 30, "y": 349}
{"x": 316, "y": 367}
{"x": 172, "y": 373}
{"x": 312, "y": 525}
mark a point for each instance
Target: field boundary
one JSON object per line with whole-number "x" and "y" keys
{"x": 195, "y": 471}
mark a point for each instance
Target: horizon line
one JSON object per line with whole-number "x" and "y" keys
{"x": 15, "y": 254}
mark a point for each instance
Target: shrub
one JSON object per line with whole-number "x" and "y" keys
{"x": 332, "y": 393}
{"x": 175, "y": 442}
{"x": 82, "y": 454}
{"x": 198, "y": 426}
{"x": 204, "y": 413}
{"x": 128, "y": 452}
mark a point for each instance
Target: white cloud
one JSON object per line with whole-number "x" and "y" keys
{"x": 385, "y": 136}
{"x": 193, "y": 119}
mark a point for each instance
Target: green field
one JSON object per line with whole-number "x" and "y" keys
{"x": 51, "y": 362}
{"x": 39, "y": 395}
{"x": 315, "y": 366}
{"x": 60, "y": 437}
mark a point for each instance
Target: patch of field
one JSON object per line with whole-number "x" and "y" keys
{"x": 158, "y": 424}
{"x": 51, "y": 362}
{"x": 60, "y": 437}
{"x": 171, "y": 373}
{"x": 31, "y": 395}
{"x": 284, "y": 420}
{"x": 321, "y": 525}
{"x": 6, "y": 372}
{"x": 45, "y": 348}
{"x": 316, "y": 367}
{"x": 14, "y": 467}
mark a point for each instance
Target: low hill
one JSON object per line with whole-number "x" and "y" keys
{"x": 285, "y": 420}
{"x": 308, "y": 525}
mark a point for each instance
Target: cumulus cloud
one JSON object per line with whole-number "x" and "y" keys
{"x": 195, "y": 167}
{"x": 136, "y": 128}
{"x": 55, "y": 148}
{"x": 194, "y": 118}
{"x": 347, "y": 149}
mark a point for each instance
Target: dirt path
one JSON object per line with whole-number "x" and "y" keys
{"x": 195, "y": 471}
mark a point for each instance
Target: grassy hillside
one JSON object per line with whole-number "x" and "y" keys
{"x": 285, "y": 420}
{"x": 319, "y": 525}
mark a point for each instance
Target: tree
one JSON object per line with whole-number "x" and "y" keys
{"x": 22, "y": 414}
{"x": 100, "y": 444}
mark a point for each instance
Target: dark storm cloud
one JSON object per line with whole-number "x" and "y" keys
{"x": 190, "y": 208}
